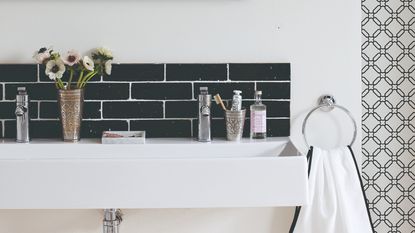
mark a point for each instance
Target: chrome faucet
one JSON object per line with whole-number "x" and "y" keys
{"x": 22, "y": 115}
{"x": 112, "y": 220}
{"x": 204, "y": 115}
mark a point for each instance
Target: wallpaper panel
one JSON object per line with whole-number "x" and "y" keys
{"x": 388, "y": 99}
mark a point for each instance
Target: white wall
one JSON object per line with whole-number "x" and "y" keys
{"x": 321, "y": 39}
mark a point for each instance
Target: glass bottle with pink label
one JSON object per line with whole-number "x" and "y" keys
{"x": 258, "y": 118}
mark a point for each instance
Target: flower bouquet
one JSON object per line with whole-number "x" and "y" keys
{"x": 71, "y": 73}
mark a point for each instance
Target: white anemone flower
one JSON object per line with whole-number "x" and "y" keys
{"x": 104, "y": 52}
{"x": 41, "y": 55}
{"x": 88, "y": 63}
{"x": 55, "y": 69}
{"x": 108, "y": 67}
{"x": 72, "y": 58}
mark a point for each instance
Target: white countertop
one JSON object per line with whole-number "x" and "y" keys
{"x": 153, "y": 148}
{"x": 162, "y": 173}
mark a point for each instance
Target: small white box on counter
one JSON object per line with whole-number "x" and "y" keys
{"x": 123, "y": 137}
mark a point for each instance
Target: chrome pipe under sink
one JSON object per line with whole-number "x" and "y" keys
{"x": 112, "y": 220}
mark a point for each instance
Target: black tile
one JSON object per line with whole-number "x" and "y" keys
{"x": 274, "y": 108}
{"x": 93, "y": 129}
{"x": 136, "y": 72}
{"x": 1, "y": 129}
{"x": 7, "y": 110}
{"x": 278, "y": 127}
{"x": 226, "y": 89}
{"x": 182, "y": 109}
{"x": 107, "y": 91}
{"x": 274, "y": 90}
{"x": 263, "y": 71}
{"x": 38, "y": 91}
{"x": 161, "y": 91}
{"x": 49, "y": 110}
{"x": 1, "y": 91}
{"x": 18, "y": 73}
{"x": 92, "y": 110}
{"x": 38, "y": 129}
{"x": 133, "y": 109}
{"x": 163, "y": 128}
{"x": 9, "y": 129}
{"x": 193, "y": 72}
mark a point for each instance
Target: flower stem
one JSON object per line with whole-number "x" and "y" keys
{"x": 61, "y": 85}
{"x": 88, "y": 77}
{"x": 78, "y": 84}
{"x": 70, "y": 79}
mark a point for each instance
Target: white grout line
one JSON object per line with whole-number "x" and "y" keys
{"x": 165, "y": 72}
{"x": 227, "y": 73}
{"x": 38, "y": 110}
{"x": 130, "y": 94}
{"x": 2, "y": 128}
{"x": 191, "y": 128}
{"x": 193, "y": 91}
{"x": 38, "y": 72}
{"x": 102, "y": 110}
{"x": 164, "y": 109}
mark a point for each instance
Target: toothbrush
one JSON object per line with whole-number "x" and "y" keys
{"x": 219, "y": 101}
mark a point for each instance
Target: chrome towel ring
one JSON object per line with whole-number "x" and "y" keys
{"x": 326, "y": 104}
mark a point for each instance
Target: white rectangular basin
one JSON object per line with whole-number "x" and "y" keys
{"x": 163, "y": 173}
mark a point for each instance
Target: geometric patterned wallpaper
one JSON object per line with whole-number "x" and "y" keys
{"x": 388, "y": 120}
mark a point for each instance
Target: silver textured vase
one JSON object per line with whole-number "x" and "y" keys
{"x": 71, "y": 107}
{"x": 234, "y": 121}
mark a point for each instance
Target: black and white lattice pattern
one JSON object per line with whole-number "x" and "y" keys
{"x": 388, "y": 122}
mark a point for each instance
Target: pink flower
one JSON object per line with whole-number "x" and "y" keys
{"x": 72, "y": 58}
{"x": 42, "y": 55}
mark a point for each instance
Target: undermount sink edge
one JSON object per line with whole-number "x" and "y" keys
{"x": 162, "y": 173}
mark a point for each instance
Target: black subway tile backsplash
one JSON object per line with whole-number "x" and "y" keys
{"x": 258, "y": 72}
{"x": 196, "y": 72}
{"x": 36, "y": 91}
{"x": 136, "y": 72}
{"x": 278, "y": 127}
{"x": 226, "y": 89}
{"x": 161, "y": 91}
{"x": 163, "y": 128}
{"x": 107, "y": 91}
{"x": 148, "y": 109}
{"x": 158, "y": 98}
{"x": 7, "y": 110}
{"x": 93, "y": 129}
{"x": 18, "y": 73}
{"x": 182, "y": 109}
{"x": 274, "y": 90}
{"x": 274, "y": 108}
{"x": 37, "y": 128}
{"x": 49, "y": 110}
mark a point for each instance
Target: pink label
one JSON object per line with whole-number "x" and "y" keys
{"x": 258, "y": 121}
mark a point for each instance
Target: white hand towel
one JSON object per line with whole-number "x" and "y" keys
{"x": 337, "y": 202}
